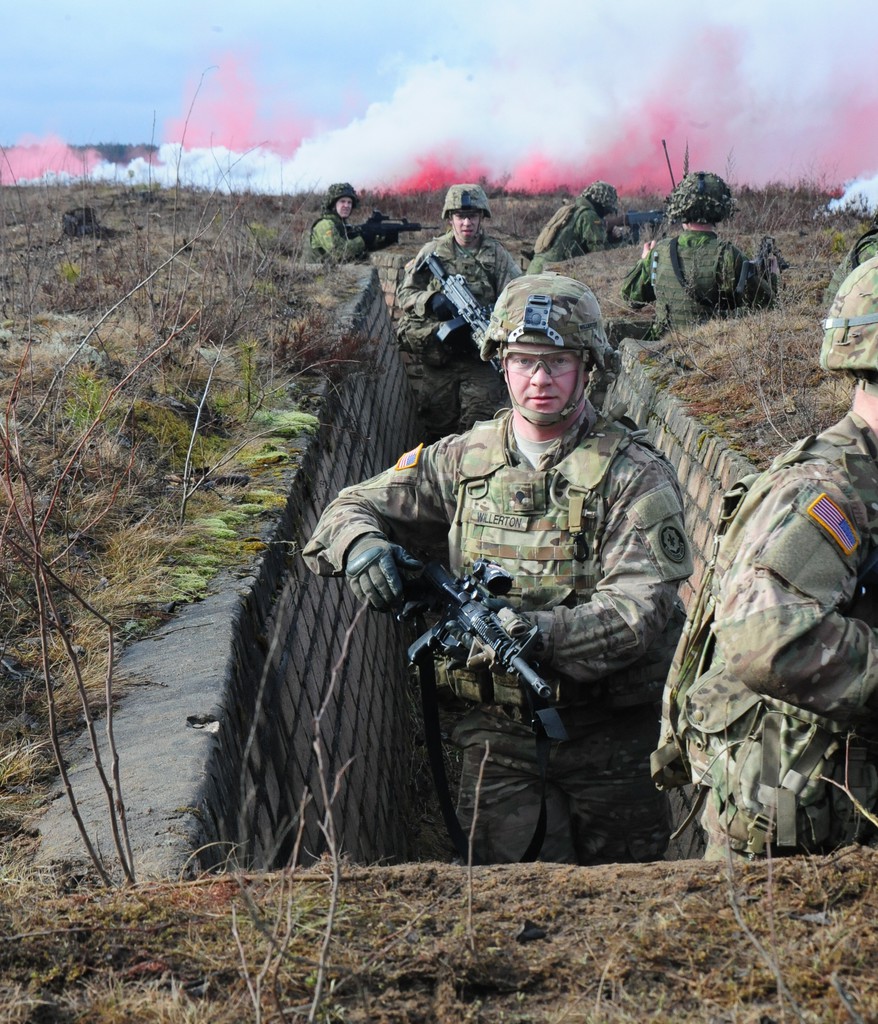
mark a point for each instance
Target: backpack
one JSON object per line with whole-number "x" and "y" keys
{"x": 559, "y": 220}
{"x": 763, "y": 762}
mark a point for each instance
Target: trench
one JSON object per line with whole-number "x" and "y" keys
{"x": 274, "y": 720}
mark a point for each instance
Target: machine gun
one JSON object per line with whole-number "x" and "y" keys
{"x": 761, "y": 265}
{"x": 470, "y": 312}
{"x": 381, "y": 224}
{"x": 632, "y": 219}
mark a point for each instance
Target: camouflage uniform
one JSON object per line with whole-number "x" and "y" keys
{"x": 595, "y": 542}
{"x": 695, "y": 276}
{"x": 454, "y": 387}
{"x": 333, "y": 240}
{"x": 584, "y": 232}
{"x": 779, "y": 687}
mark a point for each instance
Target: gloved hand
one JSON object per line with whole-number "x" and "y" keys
{"x": 441, "y": 307}
{"x": 373, "y": 569}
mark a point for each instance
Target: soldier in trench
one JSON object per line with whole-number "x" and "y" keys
{"x": 587, "y": 517}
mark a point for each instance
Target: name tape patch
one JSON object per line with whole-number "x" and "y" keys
{"x": 825, "y": 511}
{"x": 410, "y": 459}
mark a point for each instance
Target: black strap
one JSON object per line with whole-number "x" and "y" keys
{"x": 433, "y": 740}
{"x": 673, "y": 246}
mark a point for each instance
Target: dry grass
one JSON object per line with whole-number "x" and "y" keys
{"x": 681, "y": 942}
{"x": 191, "y": 319}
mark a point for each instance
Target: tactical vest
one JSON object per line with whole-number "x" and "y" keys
{"x": 687, "y": 282}
{"x": 761, "y": 760}
{"x": 546, "y": 529}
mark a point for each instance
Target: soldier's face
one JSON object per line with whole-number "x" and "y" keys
{"x": 466, "y": 225}
{"x": 344, "y": 206}
{"x": 538, "y": 390}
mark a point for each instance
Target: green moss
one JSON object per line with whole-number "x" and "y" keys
{"x": 285, "y": 424}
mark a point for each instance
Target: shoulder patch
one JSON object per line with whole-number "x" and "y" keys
{"x": 825, "y": 511}
{"x": 410, "y": 459}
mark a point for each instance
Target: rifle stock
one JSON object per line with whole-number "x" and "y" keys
{"x": 761, "y": 264}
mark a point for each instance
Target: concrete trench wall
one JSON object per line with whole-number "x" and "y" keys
{"x": 238, "y": 709}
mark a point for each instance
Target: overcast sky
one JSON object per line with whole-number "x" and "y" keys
{"x": 290, "y": 96}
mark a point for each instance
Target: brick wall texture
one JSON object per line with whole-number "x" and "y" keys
{"x": 272, "y": 721}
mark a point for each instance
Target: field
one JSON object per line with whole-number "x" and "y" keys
{"x": 153, "y": 371}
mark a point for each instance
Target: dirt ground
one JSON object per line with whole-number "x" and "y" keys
{"x": 677, "y": 941}
{"x": 685, "y": 941}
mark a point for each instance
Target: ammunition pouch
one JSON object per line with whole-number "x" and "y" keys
{"x": 768, "y": 764}
{"x": 482, "y": 686}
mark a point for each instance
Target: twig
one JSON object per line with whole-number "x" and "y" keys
{"x": 470, "y": 849}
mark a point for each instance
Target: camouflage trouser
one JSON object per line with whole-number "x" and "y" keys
{"x": 452, "y": 398}
{"x": 601, "y": 802}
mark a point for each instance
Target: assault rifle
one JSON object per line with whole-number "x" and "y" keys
{"x": 470, "y": 312}
{"x": 465, "y": 615}
{"x": 633, "y": 219}
{"x": 381, "y": 224}
{"x": 761, "y": 264}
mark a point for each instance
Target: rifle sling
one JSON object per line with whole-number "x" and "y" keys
{"x": 433, "y": 740}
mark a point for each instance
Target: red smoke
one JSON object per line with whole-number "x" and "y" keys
{"x": 225, "y": 111}
{"x": 32, "y": 158}
{"x": 753, "y": 125}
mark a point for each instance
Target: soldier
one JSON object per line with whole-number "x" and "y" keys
{"x": 454, "y": 387}
{"x": 333, "y": 240}
{"x": 587, "y": 517}
{"x": 576, "y": 228}
{"x": 776, "y": 689}
{"x": 695, "y": 276}
{"x": 864, "y": 248}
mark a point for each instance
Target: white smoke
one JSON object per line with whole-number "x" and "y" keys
{"x": 753, "y": 91}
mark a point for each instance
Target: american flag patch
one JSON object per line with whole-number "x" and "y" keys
{"x": 834, "y": 521}
{"x": 410, "y": 459}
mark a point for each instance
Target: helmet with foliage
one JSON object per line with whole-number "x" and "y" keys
{"x": 701, "y": 198}
{"x": 465, "y": 197}
{"x": 603, "y": 197}
{"x": 339, "y": 190}
{"x": 850, "y": 332}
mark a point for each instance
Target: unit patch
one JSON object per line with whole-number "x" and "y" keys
{"x": 825, "y": 511}
{"x": 673, "y": 543}
{"x": 410, "y": 459}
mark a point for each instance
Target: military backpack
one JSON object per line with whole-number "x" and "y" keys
{"x": 557, "y": 222}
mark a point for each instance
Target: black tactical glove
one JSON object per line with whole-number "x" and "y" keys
{"x": 373, "y": 571}
{"x": 441, "y": 307}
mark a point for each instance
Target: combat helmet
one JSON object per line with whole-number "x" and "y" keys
{"x": 602, "y": 196}
{"x": 465, "y": 197}
{"x": 850, "y": 332}
{"x": 549, "y": 310}
{"x": 702, "y": 198}
{"x": 338, "y": 191}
